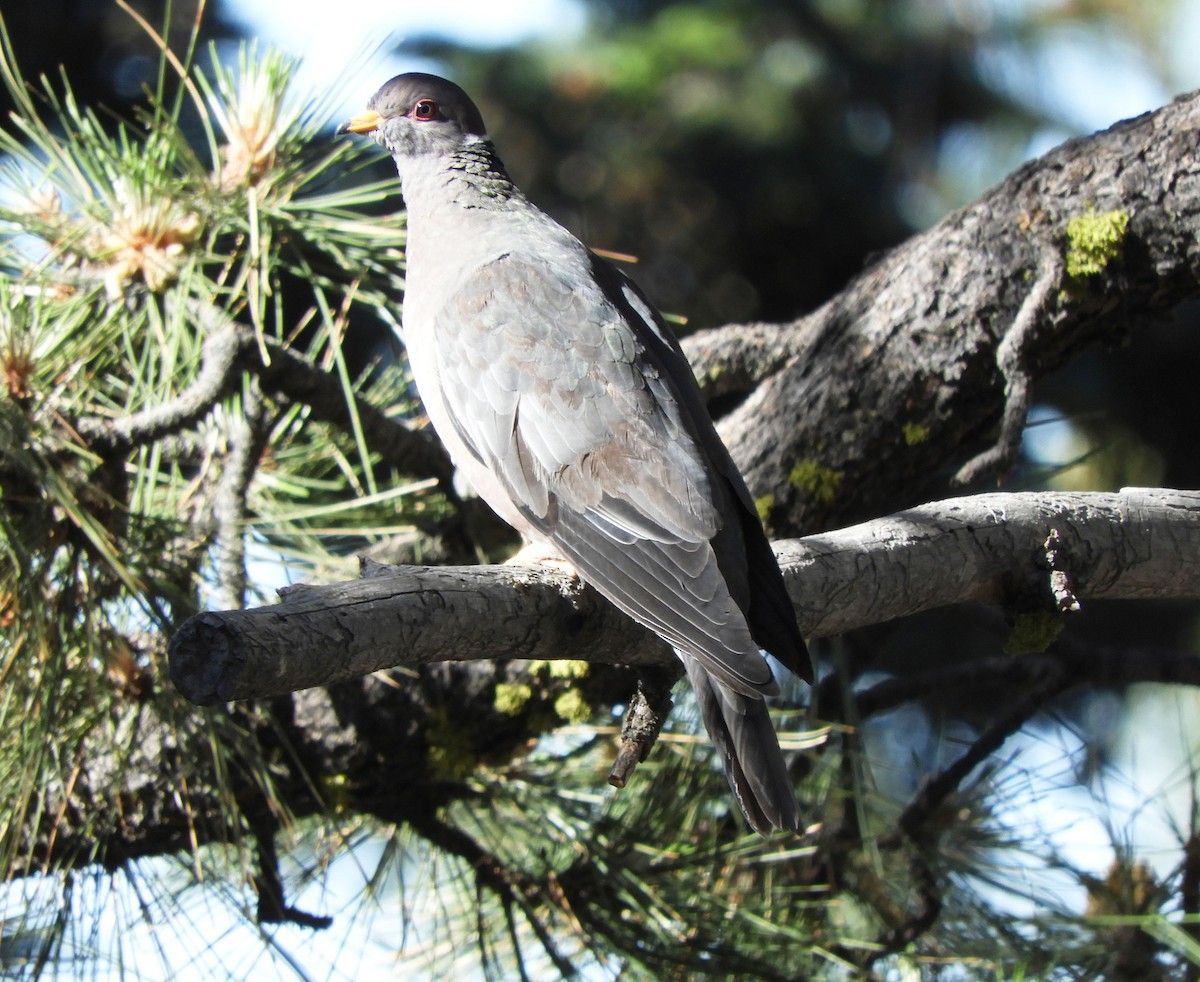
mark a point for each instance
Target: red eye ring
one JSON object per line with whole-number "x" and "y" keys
{"x": 425, "y": 109}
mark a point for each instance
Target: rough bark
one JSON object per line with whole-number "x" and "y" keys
{"x": 851, "y": 408}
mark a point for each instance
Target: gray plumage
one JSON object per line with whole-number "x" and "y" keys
{"x": 565, "y": 400}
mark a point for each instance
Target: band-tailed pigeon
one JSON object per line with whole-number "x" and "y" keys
{"x": 568, "y": 404}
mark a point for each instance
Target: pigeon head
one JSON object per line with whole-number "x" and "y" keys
{"x": 416, "y": 114}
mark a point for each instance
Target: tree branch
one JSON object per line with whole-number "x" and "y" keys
{"x": 851, "y": 409}
{"x": 990, "y": 548}
{"x": 987, "y": 548}
{"x": 216, "y": 379}
{"x": 233, "y": 348}
{"x": 936, "y": 788}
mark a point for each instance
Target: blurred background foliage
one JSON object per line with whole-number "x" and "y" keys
{"x": 753, "y": 156}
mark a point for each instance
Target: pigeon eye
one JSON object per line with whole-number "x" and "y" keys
{"x": 425, "y": 109}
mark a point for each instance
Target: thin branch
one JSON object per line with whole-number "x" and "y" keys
{"x": 273, "y": 907}
{"x": 936, "y": 788}
{"x": 648, "y": 711}
{"x": 232, "y": 349}
{"x": 920, "y": 921}
{"x": 409, "y": 451}
{"x": 218, "y": 372}
{"x": 1084, "y": 664}
{"x": 510, "y": 885}
{"x": 247, "y": 439}
{"x": 932, "y": 794}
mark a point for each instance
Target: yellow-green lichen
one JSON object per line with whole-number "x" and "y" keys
{"x": 711, "y": 376}
{"x": 560, "y": 668}
{"x": 451, "y": 756}
{"x": 1033, "y": 633}
{"x": 821, "y": 482}
{"x": 572, "y": 707}
{"x": 511, "y": 699}
{"x": 763, "y": 506}
{"x": 914, "y": 433}
{"x": 1094, "y": 240}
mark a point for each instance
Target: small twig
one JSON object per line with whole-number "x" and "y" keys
{"x": 644, "y": 719}
{"x": 1087, "y": 664}
{"x": 218, "y": 371}
{"x": 932, "y": 793}
{"x": 231, "y": 349}
{"x": 247, "y": 440}
{"x": 509, "y": 885}
{"x": 1010, "y": 358}
{"x": 272, "y": 906}
{"x": 514, "y": 936}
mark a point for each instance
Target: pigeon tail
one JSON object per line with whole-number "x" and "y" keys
{"x": 741, "y": 728}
